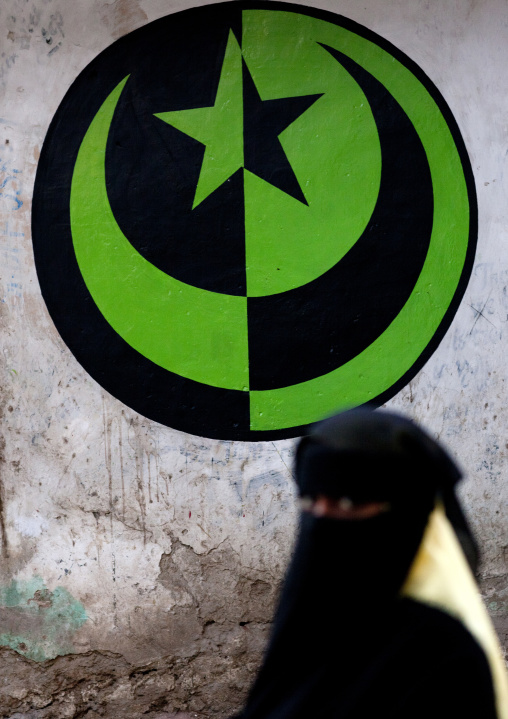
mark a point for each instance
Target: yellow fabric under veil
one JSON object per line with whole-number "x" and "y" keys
{"x": 440, "y": 577}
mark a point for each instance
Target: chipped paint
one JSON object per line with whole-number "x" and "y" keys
{"x": 36, "y": 622}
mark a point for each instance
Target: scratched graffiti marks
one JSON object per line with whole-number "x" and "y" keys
{"x": 11, "y": 190}
{"x": 10, "y": 265}
{"x": 132, "y": 468}
{"x": 191, "y": 490}
{"x": 45, "y": 26}
{"x": 10, "y": 187}
{"x": 464, "y": 366}
{"x": 7, "y": 61}
{"x": 54, "y": 32}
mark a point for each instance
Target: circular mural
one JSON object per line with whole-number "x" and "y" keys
{"x": 249, "y": 215}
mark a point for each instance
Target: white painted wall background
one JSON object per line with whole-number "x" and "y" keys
{"x": 95, "y": 494}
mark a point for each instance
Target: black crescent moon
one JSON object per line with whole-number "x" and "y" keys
{"x": 205, "y": 246}
{"x": 309, "y": 331}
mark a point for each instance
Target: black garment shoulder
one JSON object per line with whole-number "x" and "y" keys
{"x": 431, "y": 667}
{"x": 418, "y": 664}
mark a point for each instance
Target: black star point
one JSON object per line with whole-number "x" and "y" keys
{"x": 264, "y": 121}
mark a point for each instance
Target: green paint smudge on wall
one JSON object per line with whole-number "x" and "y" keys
{"x": 36, "y": 622}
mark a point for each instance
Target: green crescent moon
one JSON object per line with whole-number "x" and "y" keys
{"x": 394, "y": 352}
{"x": 192, "y": 332}
{"x": 203, "y": 335}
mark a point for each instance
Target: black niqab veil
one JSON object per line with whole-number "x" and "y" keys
{"x": 343, "y": 641}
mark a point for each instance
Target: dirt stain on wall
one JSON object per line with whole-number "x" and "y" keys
{"x": 122, "y": 16}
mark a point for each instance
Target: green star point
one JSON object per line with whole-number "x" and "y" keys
{"x": 219, "y": 128}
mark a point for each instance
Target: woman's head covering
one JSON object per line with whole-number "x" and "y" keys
{"x": 341, "y": 592}
{"x": 366, "y": 455}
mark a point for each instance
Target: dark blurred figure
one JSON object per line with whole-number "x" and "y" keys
{"x": 379, "y": 614}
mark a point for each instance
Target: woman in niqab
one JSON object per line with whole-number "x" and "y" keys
{"x": 379, "y": 615}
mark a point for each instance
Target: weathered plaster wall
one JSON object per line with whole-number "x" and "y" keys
{"x": 139, "y": 564}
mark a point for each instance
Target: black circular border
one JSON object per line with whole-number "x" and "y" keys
{"x": 133, "y": 379}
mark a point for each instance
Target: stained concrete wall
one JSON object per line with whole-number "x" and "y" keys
{"x": 139, "y": 564}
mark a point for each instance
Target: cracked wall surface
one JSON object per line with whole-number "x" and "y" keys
{"x": 139, "y": 565}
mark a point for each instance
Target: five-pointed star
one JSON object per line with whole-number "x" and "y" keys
{"x": 241, "y": 130}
